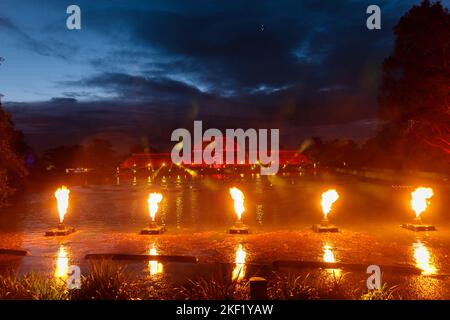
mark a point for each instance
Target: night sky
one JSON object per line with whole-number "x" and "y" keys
{"x": 137, "y": 70}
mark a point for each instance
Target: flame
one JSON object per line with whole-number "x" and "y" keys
{"x": 153, "y": 200}
{"x": 239, "y": 269}
{"x": 238, "y": 198}
{"x": 419, "y": 199}
{"x": 62, "y": 264}
{"x": 62, "y": 200}
{"x": 328, "y": 198}
{"x": 154, "y": 266}
{"x": 423, "y": 259}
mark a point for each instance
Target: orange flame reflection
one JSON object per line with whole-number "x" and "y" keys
{"x": 239, "y": 270}
{"x": 154, "y": 266}
{"x": 328, "y": 256}
{"x": 62, "y": 264}
{"x": 423, "y": 259}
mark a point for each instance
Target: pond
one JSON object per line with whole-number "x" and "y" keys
{"x": 197, "y": 212}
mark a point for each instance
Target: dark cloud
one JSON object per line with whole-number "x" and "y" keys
{"x": 138, "y": 88}
{"x": 303, "y": 66}
{"x": 63, "y": 100}
{"x": 335, "y": 104}
{"x": 68, "y": 121}
{"x": 297, "y": 55}
{"x": 238, "y": 48}
{"x": 44, "y": 48}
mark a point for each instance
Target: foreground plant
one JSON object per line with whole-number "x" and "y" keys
{"x": 323, "y": 285}
{"x": 32, "y": 287}
{"x": 334, "y": 288}
{"x": 384, "y": 293}
{"x": 292, "y": 287}
{"x": 109, "y": 281}
{"x": 220, "y": 286}
{"x": 105, "y": 281}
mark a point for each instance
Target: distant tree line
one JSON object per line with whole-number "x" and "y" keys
{"x": 96, "y": 154}
{"x": 414, "y": 100}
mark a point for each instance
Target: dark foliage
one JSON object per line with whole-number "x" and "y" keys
{"x": 12, "y": 152}
{"x": 414, "y": 97}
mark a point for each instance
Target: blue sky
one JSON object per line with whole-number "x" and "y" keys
{"x": 311, "y": 67}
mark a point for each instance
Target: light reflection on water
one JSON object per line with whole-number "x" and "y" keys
{"x": 188, "y": 201}
{"x": 154, "y": 266}
{"x": 259, "y": 213}
{"x": 164, "y": 183}
{"x": 328, "y": 256}
{"x": 424, "y": 259}
{"x": 193, "y": 198}
{"x": 108, "y": 217}
{"x": 62, "y": 263}
{"x": 179, "y": 210}
{"x": 179, "y": 203}
{"x": 240, "y": 268}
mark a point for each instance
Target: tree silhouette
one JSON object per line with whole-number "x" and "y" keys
{"x": 63, "y": 157}
{"x": 414, "y": 98}
{"x": 12, "y": 151}
{"x": 100, "y": 155}
{"x": 12, "y": 165}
